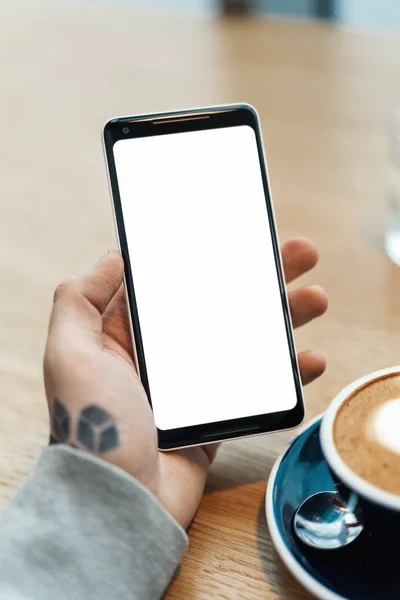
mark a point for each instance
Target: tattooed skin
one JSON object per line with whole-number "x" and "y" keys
{"x": 60, "y": 422}
{"x": 95, "y": 431}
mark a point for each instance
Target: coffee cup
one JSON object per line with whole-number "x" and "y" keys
{"x": 361, "y": 446}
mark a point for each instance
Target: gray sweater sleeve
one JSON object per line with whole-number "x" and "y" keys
{"x": 81, "y": 529}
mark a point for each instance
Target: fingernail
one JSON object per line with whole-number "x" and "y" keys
{"x": 103, "y": 256}
{"x": 321, "y": 291}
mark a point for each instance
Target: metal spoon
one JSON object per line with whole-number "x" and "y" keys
{"x": 325, "y": 521}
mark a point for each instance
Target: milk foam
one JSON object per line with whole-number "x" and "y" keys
{"x": 384, "y": 426}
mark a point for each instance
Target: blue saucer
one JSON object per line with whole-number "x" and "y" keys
{"x": 367, "y": 569}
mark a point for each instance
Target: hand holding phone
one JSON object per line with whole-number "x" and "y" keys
{"x": 89, "y": 364}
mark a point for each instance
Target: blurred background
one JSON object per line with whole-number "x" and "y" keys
{"x": 324, "y": 76}
{"x": 325, "y": 79}
{"x": 359, "y": 13}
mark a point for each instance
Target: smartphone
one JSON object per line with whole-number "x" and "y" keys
{"x": 203, "y": 275}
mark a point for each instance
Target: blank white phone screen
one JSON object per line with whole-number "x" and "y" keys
{"x": 204, "y": 274}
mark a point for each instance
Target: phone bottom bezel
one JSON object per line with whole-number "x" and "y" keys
{"x": 230, "y": 430}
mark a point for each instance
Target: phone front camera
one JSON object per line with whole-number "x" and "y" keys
{"x": 125, "y": 130}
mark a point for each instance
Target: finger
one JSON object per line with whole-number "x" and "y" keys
{"x": 103, "y": 282}
{"x": 211, "y": 450}
{"x": 84, "y": 299}
{"x": 307, "y": 304}
{"x": 117, "y": 310}
{"x": 116, "y": 328}
{"x": 298, "y": 256}
{"x": 311, "y": 364}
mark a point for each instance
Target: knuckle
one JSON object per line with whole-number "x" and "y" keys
{"x": 63, "y": 289}
{"x": 110, "y": 287}
{"x": 113, "y": 280}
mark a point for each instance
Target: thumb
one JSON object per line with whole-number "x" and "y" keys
{"x": 84, "y": 299}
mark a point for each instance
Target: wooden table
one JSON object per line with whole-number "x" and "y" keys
{"x": 324, "y": 96}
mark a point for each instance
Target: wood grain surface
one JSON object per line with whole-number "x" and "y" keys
{"x": 324, "y": 96}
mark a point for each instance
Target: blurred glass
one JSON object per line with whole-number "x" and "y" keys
{"x": 392, "y": 234}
